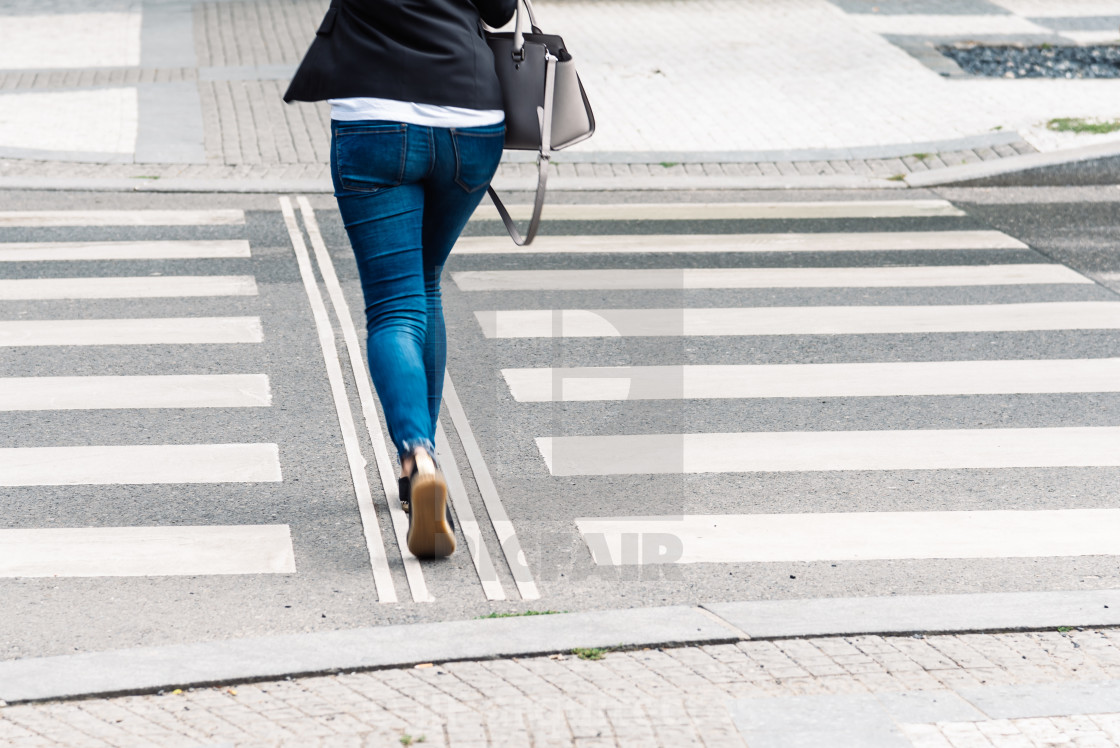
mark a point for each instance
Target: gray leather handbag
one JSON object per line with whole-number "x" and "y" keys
{"x": 545, "y": 104}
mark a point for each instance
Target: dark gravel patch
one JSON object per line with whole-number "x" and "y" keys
{"x": 1102, "y": 61}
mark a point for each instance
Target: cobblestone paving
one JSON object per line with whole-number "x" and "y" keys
{"x": 667, "y": 697}
{"x": 246, "y": 50}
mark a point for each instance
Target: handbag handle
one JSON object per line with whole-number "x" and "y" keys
{"x": 544, "y": 158}
{"x": 519, "y": 27}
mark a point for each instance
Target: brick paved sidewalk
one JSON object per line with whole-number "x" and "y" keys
{"x": 1022, "y": 690}
{"x": 779, "y": 89}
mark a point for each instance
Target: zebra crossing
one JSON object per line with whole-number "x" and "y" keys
{"x": 804, "y": 535}
{"x": 139, "y": 550}
{"x": 51, "y": 305}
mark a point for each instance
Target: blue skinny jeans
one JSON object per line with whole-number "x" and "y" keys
{"x": 405, "y": 193}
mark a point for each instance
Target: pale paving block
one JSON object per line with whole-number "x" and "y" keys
{"x": 803, "y": 686}
{"x": 879, "y": 682}
{"x": 1109, "y": 724}
{"x": 994, "y": 648}
{"x": 588, "y": 723}
{"x": 959, "y": 652}
{"x": 956, "y": 679}
{"x": 917, "y": 680}
{"x": 921, "y": 652}
{"x": 925, "y": 736}
{"x": 550, "y": 727}
{"x": 858, "y": 663}
{"x": 842, "y": 684}
{"x": 1003, "y": 734}
{"x": 809, "y": 658}
{"x": 964, "y": 735}
{"x": 703, "y": 664}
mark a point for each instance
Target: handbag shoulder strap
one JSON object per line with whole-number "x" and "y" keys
{"x": 538, "y": 207}
{"x": 544, "y": 158}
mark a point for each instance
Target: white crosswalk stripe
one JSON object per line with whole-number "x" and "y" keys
{"x": 157, "y": 250}
{"x": 994, "y": 533}
{"x": 41, "y": 218}
{"x": 729, "y": 211}
{"x": 814, "y": 380}
{"x": 152, "y": 331}
{"x": 851, "y": 536}
{"x": 134, "y": 551}
{"x": 893, "y": 241}
{"x": 115, "y": 465}
{"x": 27, "y": 289}
{"x": 146, "y": 551}
{"x": 789, "y": 451}
{"x": 162, "y": 391}
{"x": 821, "y": 320}
{"x": 700, "y": 278}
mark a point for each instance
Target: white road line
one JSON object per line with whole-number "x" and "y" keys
{"x": 730, "y": 211}
{"x": 135, "y": 287}
{"x": 165, "y": 250}
{"x": 738, "y": 243}
{"x": 856, "y": 536}
{"x": 150, "y": 331}
{"x": 382, "y": 577}
{"x": 792, "y": 451}
{"x": 503, "y": 528}
{"x": 468, "y": 524}
{"x": 690, "y": 278}
{"x": 814, "y": 380}
{"x": 33, "y": 218}
{"x": 818, "y": 320}
{"x": 165, "y": 391}
{"x": 139, "y": 464}
{"x": 414, "y": 573}
{"x": 146, "y": 551}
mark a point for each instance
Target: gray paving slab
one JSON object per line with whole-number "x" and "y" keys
{"x": 928, "y": 706}
{"x": 152, "y": 668}
{"x": 1045, "y": 699}
{"x": 170, "y": 129}
{"x": 167, "y": 34}
{"x": 838, "y": 721}
{"x": 1007, "y": 611}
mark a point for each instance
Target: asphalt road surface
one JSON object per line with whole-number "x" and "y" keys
{"x": 702, "y": 399}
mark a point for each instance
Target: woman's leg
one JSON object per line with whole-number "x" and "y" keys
{"x": 382, "y": 206}
{"x": 465, "y": 162}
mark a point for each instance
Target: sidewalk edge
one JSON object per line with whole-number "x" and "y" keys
{"x": 1010, "y": 165}
{"x": 148, "y": 669}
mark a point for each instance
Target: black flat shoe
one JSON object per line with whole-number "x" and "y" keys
{"x": 430, "y": 531}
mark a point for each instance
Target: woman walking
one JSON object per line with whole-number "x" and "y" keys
{"x": 416, "y": 136}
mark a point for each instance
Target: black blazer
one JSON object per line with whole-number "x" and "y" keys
{"x": 422, "y": 51}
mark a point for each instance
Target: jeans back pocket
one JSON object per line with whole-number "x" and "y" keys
{"x": 370, "y": 157}
{"x": 477, "y": 153}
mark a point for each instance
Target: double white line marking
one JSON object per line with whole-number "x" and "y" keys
{"x": 469, "y": 525}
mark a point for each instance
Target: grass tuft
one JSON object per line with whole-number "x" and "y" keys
{"x": 592, "y": 653}
{"x": 896, "y": 178}
{"x": 523, "y": 613}
{"x": 1081, "y": 125}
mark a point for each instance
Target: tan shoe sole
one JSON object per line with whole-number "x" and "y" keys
{"x": 429, "y": 535}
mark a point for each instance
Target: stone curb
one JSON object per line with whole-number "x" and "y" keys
{"x": 154, "y": 668}
{"x": 148, "y": 669}
{"x": 938, "y": 177}
{"x": 1010, "y": 164}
